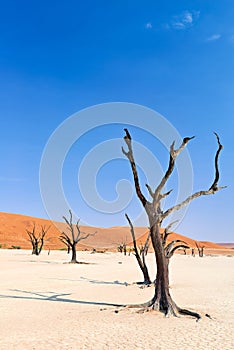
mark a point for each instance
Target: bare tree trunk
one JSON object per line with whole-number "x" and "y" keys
{"x": 36, "y": 251}
{"x": 162, "y": 299}
{"x": 33, "y": 248}
{"x": 73, "y": 260}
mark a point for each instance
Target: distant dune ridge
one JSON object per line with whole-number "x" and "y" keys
{"x": 13, "y": 233}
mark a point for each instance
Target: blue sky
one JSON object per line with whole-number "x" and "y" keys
{"x": 59, "y": 57}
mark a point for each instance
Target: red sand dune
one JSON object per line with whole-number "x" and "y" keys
{"x": 13, "y": 233}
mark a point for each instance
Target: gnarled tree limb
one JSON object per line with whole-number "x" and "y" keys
{"x": 129, "y": 155}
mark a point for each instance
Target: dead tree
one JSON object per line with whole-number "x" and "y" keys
{"x": 71, "y": 240}
{"x": 37, "y": 240}
{"x": 140, "y": 257}
{"x": 200, "y": 250}
{"x": 162, "y": 299}
{"x": 120, "y": 248}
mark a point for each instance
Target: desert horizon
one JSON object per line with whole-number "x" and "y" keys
{"x": 13, "y": 234}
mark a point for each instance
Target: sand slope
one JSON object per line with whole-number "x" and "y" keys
{"x": 13, "y": 233}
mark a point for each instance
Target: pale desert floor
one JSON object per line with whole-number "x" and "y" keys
{"x": 47, "y": 304}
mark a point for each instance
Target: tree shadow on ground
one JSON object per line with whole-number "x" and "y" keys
{"x": 104, "y": 282}
{"x": 54, "y": 297}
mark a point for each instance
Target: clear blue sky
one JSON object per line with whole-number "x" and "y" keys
{"x": 58, "y": 57}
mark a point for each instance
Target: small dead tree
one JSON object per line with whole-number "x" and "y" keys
{"x": 162, "y": 299}
{"x": 120, "y": 248}
{"x": 71, "y": 240}
{"x": 140, "y": 257}
{"x": 200, "y": 250}
{"x": 37, "y": 240}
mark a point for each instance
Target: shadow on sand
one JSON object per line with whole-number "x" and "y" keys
{"x": 104, "y": 282}
{"x": 54, "y": 297}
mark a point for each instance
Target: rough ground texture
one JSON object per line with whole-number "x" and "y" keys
{"x": 45, "y": 303}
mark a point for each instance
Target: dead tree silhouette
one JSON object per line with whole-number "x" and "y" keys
{"x": 71, "y": 240}
{"x": 37, "y": 239}
{"x": 162, "y": 299}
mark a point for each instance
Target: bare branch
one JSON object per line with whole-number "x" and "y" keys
{"x": 167, "y": 232}
{"x": 161, "y": 196}
{"x": 77, "y": 239}
{"x": 129, "y": 155}
{"x": 70, "y": 225}
{"x": 66, "y": 220}
{"x": 87, "y": 235}
{"x": 173, "y": 155}
{"x": 213, "y": 189}
{"x": 177, "y": 247}
{"x": 185, "y": 202}
{"x": 65, "y": 237}
{"x": 146, "y": 245}
{"x": 169, "y": 226}
{"x": 170, "y": 246}
{"x": 150, "y": 190}
{"x": 44, "y": 230}
{"x": 132, "y": 233}
{"x": 32, "y": 233}
{"x": 216, "y": 179}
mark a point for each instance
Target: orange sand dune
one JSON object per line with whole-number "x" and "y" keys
{"x": 13, "y": 233}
